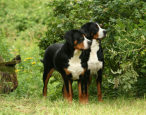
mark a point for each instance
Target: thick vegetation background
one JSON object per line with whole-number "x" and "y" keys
{"x": 28, "y": 27}
{"x": 124, "y": 47}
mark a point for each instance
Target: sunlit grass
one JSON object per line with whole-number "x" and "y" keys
{"x": 60, "y": 107}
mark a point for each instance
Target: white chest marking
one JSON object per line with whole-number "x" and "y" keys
{"x": 93, "y": 63}
{"x": 75, "y": 67}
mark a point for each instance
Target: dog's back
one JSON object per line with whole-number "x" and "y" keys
{"x": 50, "y": 53}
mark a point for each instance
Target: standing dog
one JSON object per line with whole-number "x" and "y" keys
{"x": 96, "y": 59}
{"x": 67, "y": 59}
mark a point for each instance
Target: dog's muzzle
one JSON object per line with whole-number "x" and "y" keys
{"x": 104, "y": 32}
{"x": 89, "y": 43}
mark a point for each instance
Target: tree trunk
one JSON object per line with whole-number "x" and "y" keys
{"x": 8, "y": 77}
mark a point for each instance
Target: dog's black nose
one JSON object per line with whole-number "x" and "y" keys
{"x": 105, "y": 32}
{"x": 89, "y": 42}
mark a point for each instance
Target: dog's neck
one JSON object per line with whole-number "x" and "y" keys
{"x": 95, "y": 45}
{"x": 69, "y": 50}
{"x": 77, "y": 53}
{"x": 96, "y": 41}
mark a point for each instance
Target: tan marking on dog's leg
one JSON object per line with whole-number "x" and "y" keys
{"x": 68, "y": 95}
{"x": 46, "y": 82}
{"x": 99, "y": 94}
{"x": 83, "y": 98}
{"x": 70, "y": 91}
{"x": 79, "y": 91}
{"x": 65, "y": 94}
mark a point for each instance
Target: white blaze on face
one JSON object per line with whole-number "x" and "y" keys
{"x": 100, "y": 32}
{"x": 85, "y": 42}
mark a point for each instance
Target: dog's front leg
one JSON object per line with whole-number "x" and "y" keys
{"x": 67, "y": 90}
{"x": 99, "y": 81}
{"x": 83, "y": 92}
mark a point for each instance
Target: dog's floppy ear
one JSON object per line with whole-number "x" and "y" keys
{"x": 69, "y": 37}
{"x": 89, "y": 29}
{"x": 93, "y": 28}
{"x": 85, "y": 29}
{"x": 83, "y": 32}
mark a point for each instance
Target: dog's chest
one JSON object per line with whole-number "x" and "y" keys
{"x": 75, "y": 67}
{"x": 93, "y": 63}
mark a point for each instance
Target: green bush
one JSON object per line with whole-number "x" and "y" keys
{"x": 65, "y": 15}
{"x": 4, "y": 51}
{"x": 124, "y": 46}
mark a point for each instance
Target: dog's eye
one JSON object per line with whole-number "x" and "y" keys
{"x": 83, "y": 35}
{"x": 80, "y": 40}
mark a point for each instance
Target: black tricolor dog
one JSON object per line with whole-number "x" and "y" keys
{"x": 96, "y": 59}
{"x": 67, "y": 59}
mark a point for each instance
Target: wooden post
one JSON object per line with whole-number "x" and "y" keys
{"x": 8, "y": 77}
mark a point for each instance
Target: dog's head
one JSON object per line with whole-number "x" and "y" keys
{"x": 77, "y": 40}
{"x": 93, "y": 30}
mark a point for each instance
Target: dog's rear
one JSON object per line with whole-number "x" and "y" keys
{"x": 48, "y": 64}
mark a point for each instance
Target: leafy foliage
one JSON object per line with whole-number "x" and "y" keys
{"x": 3, "y": 47}
{"x": 66, "y": 15}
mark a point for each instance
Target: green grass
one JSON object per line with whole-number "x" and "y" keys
{"x": 41, "y": 106}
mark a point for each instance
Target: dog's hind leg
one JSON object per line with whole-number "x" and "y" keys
{"x": 46, "y": 76}
{"x": 99, "y": 81}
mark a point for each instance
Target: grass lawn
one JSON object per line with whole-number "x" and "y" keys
{"x": 41, "y": 106}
